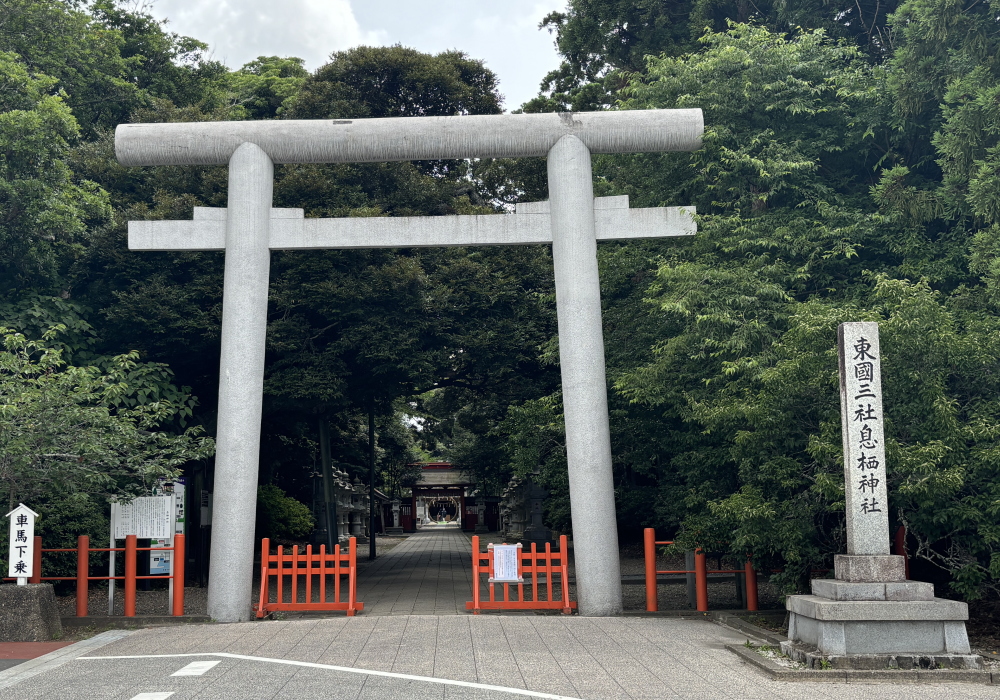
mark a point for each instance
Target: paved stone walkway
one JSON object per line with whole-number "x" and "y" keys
{"x": 389, "y": 653}
{"x": 425, "y": 657}
{"x": 429, "y": 573}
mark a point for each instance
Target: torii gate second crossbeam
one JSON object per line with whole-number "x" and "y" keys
{"x": 572, "y": 221}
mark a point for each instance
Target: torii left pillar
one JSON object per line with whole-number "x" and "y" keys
{"x": 251, "y": 148}
{"x": 241, "y": 380}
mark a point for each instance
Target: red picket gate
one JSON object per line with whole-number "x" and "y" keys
{"x": 700, "y": 572}
{"x": 83, "y": 577}
{"x": 308, "y": 565}
{"x": 534, "y": 563}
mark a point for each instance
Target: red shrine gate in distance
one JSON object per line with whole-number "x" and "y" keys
{"x": 443, "y": 493}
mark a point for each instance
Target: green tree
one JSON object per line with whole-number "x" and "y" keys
{"x": 265, "y": 87}
{"x": 62, "y": 40}
{"x": 605, "y": 42}
{"x": 280, "y": 517}
{"x": 45, "y": 213}
{"x": 84, "y": 430}
{"x": 397, "y": 82}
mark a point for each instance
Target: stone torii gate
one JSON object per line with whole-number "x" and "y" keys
{"x": 572, "y": 221}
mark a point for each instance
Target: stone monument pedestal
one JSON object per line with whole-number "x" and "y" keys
{"x": 29, "y": 613}
{"x": 871, "y": 617}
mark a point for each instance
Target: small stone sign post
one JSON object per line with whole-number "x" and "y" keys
{"x": 869, "y": 616}
{"x": 21, "y": 553}
{"x": 28, "y": 612}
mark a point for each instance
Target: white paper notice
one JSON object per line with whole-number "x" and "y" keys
{"x": 505, "y": 558}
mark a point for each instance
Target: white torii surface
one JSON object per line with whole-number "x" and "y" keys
{"x": 572, "y": 222}
{"x": 531, "y": 224}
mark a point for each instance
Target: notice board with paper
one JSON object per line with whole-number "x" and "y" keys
{"x": 506, "y": 560}
{"x": 145, "y": 517}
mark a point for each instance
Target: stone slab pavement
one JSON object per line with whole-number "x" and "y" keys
{"x": 430, "y": 573}
{"x": 418, "y": 657}
{"x": 391, "y": 651}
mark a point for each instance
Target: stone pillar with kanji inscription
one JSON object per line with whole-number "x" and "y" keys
{"x": 868, "y": 616}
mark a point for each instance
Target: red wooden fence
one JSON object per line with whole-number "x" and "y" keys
{"x": 83, "y": 577}
{"x": 335, "y": 564}
{"x": 700, "y": 572}
{"x": 540, "y": 566}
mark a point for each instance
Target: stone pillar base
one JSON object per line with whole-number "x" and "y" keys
{"x": 871, "y": 620}
{"x": 815, "y": 659}
{"x": 538, "y": 536}
{"x": 855, "y": 568}
{"x": 28, "y": 613}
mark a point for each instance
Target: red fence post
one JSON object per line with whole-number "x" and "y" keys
{"x": 649, "y": 548}
{"x": 265, "y": 580}
{"x": 82, "y": 574}
{"x": 130, "y": 543}
{"x": 751, "y": 585}
{"x": 701, "y": 580}
{"x": 36, "y": 576}
{"x": 475, "y": 575}
{"x": 178, "y": 554}
{"x": 352, "y": 578}
{"x": 564, "y": 574}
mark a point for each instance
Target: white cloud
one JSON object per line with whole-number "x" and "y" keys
{"x": 504, "y": 35}
{"x": 240, "y": 30}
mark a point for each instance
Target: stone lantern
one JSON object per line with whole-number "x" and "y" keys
{"x": 481, "y": 525}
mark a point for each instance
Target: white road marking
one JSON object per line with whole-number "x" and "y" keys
{"x": 196, "y": 668}
{"x": 153, "y": 696}
{"x": 343, "y": 669}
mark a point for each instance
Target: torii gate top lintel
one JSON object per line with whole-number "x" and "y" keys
{"x": 409, "y": 138}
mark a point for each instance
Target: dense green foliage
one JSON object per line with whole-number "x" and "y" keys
{"x": 850, "y": 171}
{"x": 70, "y": 430}
{"x": 835, "y": 183}
{"x": 281, "y": 518}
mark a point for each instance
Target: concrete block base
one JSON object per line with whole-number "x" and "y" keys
{"x": 897, "y": 591}
{"x": 857, "y": 568}
{"x": 28, "y": 613}
{"x": 538, "y": 536}
{"x": 813, "y": 658}
{"x": 878, "y": 627}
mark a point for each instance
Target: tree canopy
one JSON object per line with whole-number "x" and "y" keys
{"x": 850, "y": 171}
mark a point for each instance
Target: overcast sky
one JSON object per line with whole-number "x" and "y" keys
{"x": 503, "y": 33}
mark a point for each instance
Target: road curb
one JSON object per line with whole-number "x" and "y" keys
{"x": 121, "y": 622}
